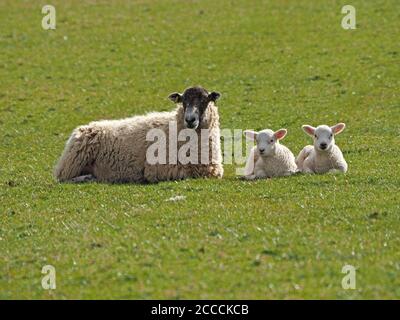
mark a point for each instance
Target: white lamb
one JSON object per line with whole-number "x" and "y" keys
{"x": 269, "y": 158}
{"x": 324, "y": 156}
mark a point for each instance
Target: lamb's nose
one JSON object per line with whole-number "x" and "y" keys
{"x": 323, "y": 146}
{"x": 262, "y": 150}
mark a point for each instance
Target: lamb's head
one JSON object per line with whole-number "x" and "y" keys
{"x": 195, "y": 101}
{"x": 266, "y": 140}
{"x": 323, "y": 135}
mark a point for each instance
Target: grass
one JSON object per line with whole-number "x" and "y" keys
{"x": 277, "y": 64}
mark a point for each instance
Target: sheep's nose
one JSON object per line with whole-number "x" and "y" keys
{"x": 262, "y": 150}
{"x": 190, "y": 120}
{"x": 323, "y": 146}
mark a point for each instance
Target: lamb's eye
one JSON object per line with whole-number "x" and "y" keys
{"x": 271, "y": 140}
{"x": 315, "y": 136}
{"x": 331, "y": 136}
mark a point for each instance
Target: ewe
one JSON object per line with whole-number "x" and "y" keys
{"x": 324, "y": 156}
{"x": 116, "y": 150}
{"x": 269, "y": 158}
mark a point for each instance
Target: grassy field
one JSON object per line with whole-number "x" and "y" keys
{"x": 277, "y": 64}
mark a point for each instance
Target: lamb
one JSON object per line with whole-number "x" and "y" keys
{"x": 324, "y": 156}
{"x": 116, "y": 151}
{"x": 269, "y": 158}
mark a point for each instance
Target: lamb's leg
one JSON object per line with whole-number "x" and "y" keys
{"x": 251, "y": 161}
{"x": 338, "y": 170}
{"x": 77, "y": 154}
{"x": 288, "y": 173}
{"x": 304, "y": 153}
{"x": 308, "y": 166}
{"x": 342, "y": 168}
{"x": 260, "y": 173}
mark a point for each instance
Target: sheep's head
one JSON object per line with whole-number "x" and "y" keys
{"x": 266, "y": 140}
{"x": 323, "y": 135}
{"x": 195, "y": 101}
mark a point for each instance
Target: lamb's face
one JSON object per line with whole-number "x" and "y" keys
{"x": 266, "y": 140}
{"x": 324, "y": 136}
{"x": 195, "y": 101}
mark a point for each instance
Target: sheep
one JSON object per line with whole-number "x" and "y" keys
{"x": 268, "y": 158}
{"x": 115, "y": 151}
{"x": 324, "y": 156}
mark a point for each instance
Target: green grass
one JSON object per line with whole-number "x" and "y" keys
{"x": 277, "y": 64}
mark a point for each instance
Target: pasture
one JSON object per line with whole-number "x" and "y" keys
{"x": 277, "y": 64}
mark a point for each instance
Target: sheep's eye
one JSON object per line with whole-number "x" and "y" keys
{"x": 315, "y": 136}
{"x": 331, "y": 136}
{"x": 272, "y": 140}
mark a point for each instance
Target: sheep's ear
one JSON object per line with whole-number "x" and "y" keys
{"x": 309, "y": 130}
{"x": 280, "y": 134}
{"x": 175, "y": 97}
{"x": 250, "y": 134}
{"x": 213, "y": 96}
{"x": 338, "y": 128}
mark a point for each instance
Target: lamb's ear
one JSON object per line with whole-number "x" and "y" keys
{"x": 280, "y": 134}
{"x": 175, "y": 97}
{"x": 338, "y": 128}
{"x": 250, "y": 134}
{"x": 213, "y": 96}
{"x": 309, "y": 130}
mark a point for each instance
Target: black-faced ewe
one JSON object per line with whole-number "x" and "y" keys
{"x": 148, "y": 148}
{"x": 324, "y": 156}
{"x": 268, "y": 158}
